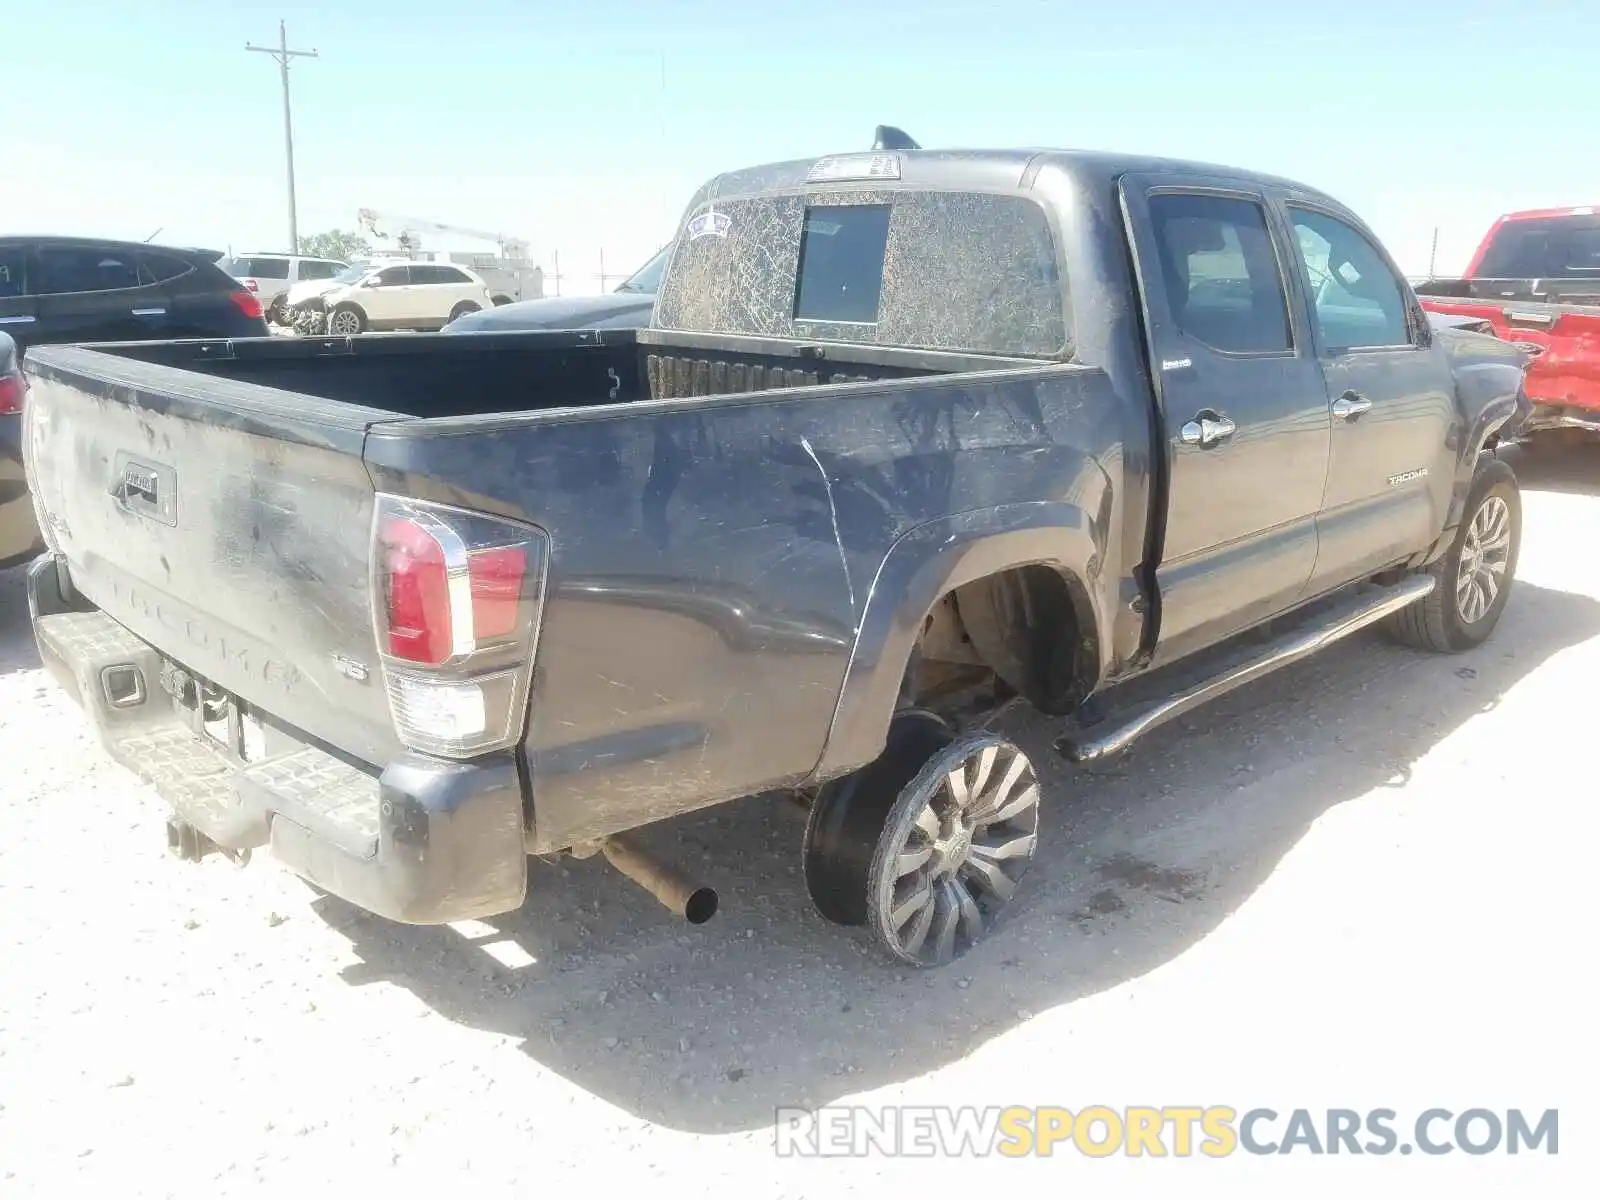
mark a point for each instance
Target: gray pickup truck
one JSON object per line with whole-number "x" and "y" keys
{"x": 911, "y": 434}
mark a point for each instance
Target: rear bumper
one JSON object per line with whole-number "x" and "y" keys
{"x": 425, "y": 842}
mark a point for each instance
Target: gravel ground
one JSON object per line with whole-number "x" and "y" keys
{"x": 1356, "y": 884}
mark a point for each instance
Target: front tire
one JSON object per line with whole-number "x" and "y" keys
{"x": 461, "y": 310}
{"x": 1473, "y": 578}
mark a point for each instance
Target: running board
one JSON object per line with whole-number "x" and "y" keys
{"x": 1356, "y": 613}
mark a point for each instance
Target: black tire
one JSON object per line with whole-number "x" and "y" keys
{"x": 1443, "y": 621}
{"x": 462, "y": 309}
{"x": 847, "y": 815}
{"x": 346, "y": 310}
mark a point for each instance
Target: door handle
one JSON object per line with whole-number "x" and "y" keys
{"x": 24, "y": 319}
{"x": 1207, "y": 431}
{"x": 1351, "y": 405}
{"x": 149, "y": 312}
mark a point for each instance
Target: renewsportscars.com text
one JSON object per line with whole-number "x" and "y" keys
{"x": 1217, "y": 1131}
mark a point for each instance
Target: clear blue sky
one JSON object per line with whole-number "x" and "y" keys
{"x": 557, "y": 123}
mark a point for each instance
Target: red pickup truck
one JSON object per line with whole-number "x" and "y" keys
{"x": 1536, "y": 279}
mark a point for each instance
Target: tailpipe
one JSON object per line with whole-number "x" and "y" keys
{"x": 692, "y": 901}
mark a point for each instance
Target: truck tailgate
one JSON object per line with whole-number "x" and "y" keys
{"x": 227, "y": 524}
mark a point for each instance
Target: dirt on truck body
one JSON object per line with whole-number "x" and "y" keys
{"x": 912, "y": 435}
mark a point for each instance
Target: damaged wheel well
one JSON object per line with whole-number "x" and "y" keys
{"x": 1030, "y": 627}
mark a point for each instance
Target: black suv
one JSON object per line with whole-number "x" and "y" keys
{"x": 63, "y": 289}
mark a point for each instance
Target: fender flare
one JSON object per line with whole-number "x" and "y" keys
{"x": 1494, "y": 416}
{"x": 923, "y": 565}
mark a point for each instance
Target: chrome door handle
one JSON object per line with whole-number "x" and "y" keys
{"x": 1207, "y": 431}
{"x": 1351, "y": 405}
{"x": 24, "y": 319}
{"x": 149, "y": 312}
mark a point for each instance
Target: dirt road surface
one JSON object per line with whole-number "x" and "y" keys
{"x": 1359, "y": 884}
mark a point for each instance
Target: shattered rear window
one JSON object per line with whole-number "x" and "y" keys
{"x": 968, "y": 272}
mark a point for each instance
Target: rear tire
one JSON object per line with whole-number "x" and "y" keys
{"x": 848, "y": 814}
{"x": 1474, "y": 577}
{"x": 954, "y": 847}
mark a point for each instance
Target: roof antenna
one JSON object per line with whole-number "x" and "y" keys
{"x": 888, "y": 137}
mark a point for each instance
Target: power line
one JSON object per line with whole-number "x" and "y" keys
{"x": 282, "y": 54}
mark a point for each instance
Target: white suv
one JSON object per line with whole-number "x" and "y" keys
{"x": 270, "y": 276}
{"x": 405, "y": 295}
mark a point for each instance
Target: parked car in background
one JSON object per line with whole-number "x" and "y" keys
{"x": 270, "y": 276}
{"x": 626, "y": 308}
{"x": 19, "y": 529}
{"x": 64, "y": 289}
{"x": 395, "y": 295}
{"x": 1536, "y": 279}
{"x": 293, "y": 300}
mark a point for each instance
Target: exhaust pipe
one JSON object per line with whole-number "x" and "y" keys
{"x": 692, "y": 901}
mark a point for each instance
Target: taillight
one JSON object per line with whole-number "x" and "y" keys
{"x": 247, "y": 304}
{"x": 457, "y": 598}
{"x": 13, "y": 388}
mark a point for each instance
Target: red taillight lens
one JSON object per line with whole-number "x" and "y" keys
{"x": 247, "y": 304}
{"x": 456, "y": 596}
{"x": 12, "y": 390}
{"x": 496, "y": 590}
{"x": 419, "y": 600}
{"x": 416, "y": 592}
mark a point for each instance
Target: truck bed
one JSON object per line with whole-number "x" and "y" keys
{"x": 426, "y": 376}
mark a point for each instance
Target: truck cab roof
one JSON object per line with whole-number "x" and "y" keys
{"x": 977, "y": 168}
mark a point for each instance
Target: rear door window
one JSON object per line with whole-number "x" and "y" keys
{"x": 69, "y": 269}
{"x": 1224, "y": 286}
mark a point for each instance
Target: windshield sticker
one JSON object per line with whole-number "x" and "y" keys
{"x": 709, "y": 224}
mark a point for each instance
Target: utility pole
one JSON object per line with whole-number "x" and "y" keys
{"x": 1433, "y": 256}
{"x": 282, "y": 54}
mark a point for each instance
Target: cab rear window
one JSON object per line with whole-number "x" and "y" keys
{"x": 967, "y": 272}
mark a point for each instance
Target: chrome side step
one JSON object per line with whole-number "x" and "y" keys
{"x": 1356, "y": 613}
